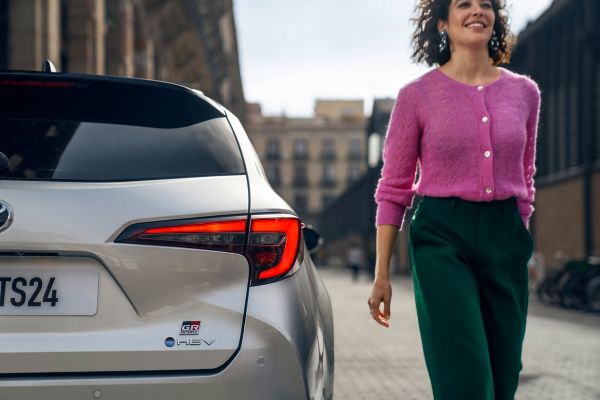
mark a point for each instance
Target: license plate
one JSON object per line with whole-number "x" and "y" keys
{"x": 48, "y": 291}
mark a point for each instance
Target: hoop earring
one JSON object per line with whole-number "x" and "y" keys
{"x": 494, "y": 42}
{"x": 443, "y": 41}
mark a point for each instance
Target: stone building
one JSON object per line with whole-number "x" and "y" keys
{"x": 310, "y": 161}
{"x": 357, "y": 200}
{"x": 561, "y": 52}
{"x": 192, "y": 42}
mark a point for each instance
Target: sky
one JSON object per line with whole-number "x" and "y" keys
{"x": 295, "y": 51}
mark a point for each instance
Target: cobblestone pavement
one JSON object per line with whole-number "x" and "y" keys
{"x": 561, "y": 352}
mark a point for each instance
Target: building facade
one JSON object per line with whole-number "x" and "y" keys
{"x": 311, "y": 161}
{"x": 358, "y": 201}
{"x": 561, "y": 52}
{"x": 191, "y": 42}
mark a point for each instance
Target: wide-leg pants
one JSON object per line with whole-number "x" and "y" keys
{"x": 469, "y": 264}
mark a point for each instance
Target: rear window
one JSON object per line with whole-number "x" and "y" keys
{"x": 89, "y": 151}
{"x": 92, "y": 130}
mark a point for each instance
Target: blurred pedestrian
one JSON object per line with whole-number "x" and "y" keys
{"x": 356, "y": 260}
{"x": 471, "y": 126}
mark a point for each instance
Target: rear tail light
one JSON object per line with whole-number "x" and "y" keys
{"x": 272, "y": 247}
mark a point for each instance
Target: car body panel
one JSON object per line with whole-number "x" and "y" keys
{"x": 79, "y": 221}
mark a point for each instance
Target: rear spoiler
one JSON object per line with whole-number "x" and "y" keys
{"x": 102, "y": 99}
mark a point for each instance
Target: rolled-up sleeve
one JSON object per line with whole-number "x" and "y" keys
{"x": 395, "y": 189}
{"x": 526, "y": 204}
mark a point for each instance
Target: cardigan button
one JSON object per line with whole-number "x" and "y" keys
{"x": 488, "y": 190}
{"x": 480, "y": 88}
{"x": 485, "y": 119}
{"x": 487, "y": 154}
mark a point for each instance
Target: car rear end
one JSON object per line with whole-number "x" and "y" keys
{"x": 133, "y": 263}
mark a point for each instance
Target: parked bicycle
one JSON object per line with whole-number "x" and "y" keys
{"x": 575, "y": 285}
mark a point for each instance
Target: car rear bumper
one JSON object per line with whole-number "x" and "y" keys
{"x": 276, "y": 360}
{"x": 267, "y": 367}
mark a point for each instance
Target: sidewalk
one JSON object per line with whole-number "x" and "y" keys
{"x": 561, "y": 352}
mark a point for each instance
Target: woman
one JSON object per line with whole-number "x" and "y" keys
{"x": 471, "y": 127}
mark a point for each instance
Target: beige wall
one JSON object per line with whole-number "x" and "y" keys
{"x": 559, "y": 229}
{"x": 340, "y": 109}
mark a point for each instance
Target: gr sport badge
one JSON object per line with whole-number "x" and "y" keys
{"x": 190, "y": 328}
{"x": 6, "y": 216}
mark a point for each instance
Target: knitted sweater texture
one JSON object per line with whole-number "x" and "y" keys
{"x": 476, "y": 142}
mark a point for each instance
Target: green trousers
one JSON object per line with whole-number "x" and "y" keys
{"x": 469, "y": 265}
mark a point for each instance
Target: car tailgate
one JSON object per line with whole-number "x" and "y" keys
{"x": 156, "y": 308}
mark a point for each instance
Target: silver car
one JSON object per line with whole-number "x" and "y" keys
{"x": 143, "y": 254}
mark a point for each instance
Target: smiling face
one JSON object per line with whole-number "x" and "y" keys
{"x": 470, "y": 22}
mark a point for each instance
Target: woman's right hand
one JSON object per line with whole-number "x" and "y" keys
{"x": 382, "y": 289}
{"x": 381, "y": 292}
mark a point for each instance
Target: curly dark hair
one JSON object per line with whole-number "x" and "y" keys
{"x": 426, "y": 38}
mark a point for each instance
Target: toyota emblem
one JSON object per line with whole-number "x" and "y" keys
{"x": 6, "y": 216}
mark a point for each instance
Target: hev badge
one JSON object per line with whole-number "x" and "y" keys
{"x": 190, "y": 328}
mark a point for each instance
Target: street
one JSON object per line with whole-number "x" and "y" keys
{"x": 561, "y": 351}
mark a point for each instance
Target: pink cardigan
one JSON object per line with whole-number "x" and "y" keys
{"x": 473, "y": 142}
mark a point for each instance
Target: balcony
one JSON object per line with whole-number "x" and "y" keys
{"x": 273, "y": 156}
{"x": 300, "y": 157}
{"x": 328, "y": 157}
{"x": 354, "y": 156}
{"x": 328, "y": 183}
{"x": 300, "y": 182}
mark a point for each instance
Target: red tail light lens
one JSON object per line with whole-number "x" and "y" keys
{"x": 272, "y": 247}
{"x": 218, "y": 227}
{"x": 210, "y": 235}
